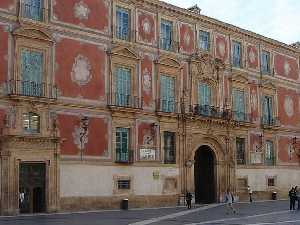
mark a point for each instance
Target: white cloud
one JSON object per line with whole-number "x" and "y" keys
{"x": 277, "y": 19}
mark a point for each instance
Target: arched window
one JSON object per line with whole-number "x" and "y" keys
{"x": 31, "y": 122}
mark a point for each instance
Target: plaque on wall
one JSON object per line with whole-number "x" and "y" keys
{"x": 147, "y": 154}
{"x": 256, "y": 157}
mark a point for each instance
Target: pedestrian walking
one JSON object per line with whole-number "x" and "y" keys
{"x": 229, "y": 199}
{"x": 292, "y": 195}
{"x": 188, "y": 198}
{"x": 250, "y": 194}
{"x": 298, "y": 196}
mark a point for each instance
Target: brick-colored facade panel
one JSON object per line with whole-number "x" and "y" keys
{"x": 286, "y": 152}
{"x": 286, "y": 67}
{"x": 252, "y": 57}
{"x": 146, "y": 130}
{"x": 80, "y": 70}
{"x": 93, "y": 14}
{"x": 147, "y": 81}
{"x": 186, "y": 38}
{"x": 3, "y": 54}
{"x": 221, "y": 47}
{"x": 146, "y": 27}
{"x": 7, "y": 4}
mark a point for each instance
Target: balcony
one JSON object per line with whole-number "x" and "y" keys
{"x": 124, "y": 101}
{"x": 31, "y": 89}
{"x": 269, "y": 122}
{"x": 270, "y": 161}
{"x": 167, "y": 106}
{"x": 210, "y": 111}
{"x": 33, "y": 12}
{"x": 241, "y": 117}
{"x": 126, "y": 157}
{"x": 168, "y": 45}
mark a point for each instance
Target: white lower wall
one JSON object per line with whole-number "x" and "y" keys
{"x": 257, "y": 178}
{"x": 92, "y": 180}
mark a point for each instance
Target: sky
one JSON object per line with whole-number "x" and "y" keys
{"x": 276, "y": 19}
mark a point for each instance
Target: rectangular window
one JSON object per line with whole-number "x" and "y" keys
{"x": 33, "y": 9}
{"x": 32, "y": 63}
{"x": 239, "y": 107}
{"x": 166, "y": 35}
{"x": 169, "y": 147}
{"x": 167, "y": 93}
{"x": 265, "y": 62}
{"x": 240, "y": 150}
{"x": 204, "y": 40}
{"x": 204, "y": 99}
{"x": 267, "y": 111}
{"x": 122, "y": 145}
{"x": 236, "y": 54}
{"x": 123, "y": 184}
{"x": 123, "y": 86}
{"x": 122, "y": 20}
{"x": 271, "y": 182}
{"x": 269, "y": 153}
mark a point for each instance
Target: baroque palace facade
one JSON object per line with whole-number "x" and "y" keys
{"x": 108, "y": 99}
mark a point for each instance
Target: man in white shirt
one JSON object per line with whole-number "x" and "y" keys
{"x": 250, "y": 194}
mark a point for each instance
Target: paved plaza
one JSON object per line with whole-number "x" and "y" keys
{"x": 257, "y": 213}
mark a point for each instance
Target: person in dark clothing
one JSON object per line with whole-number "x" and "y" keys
{"x": 297, "y": 190}
{"x": 292, "y": 195}
{"x": 188, "y": 198}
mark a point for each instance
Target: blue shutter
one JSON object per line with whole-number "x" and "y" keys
{"x": 33, "y": 9}
{"x": 167, "y": 93}
{"x": 267, "y": 110}
{"x": 204, "y": 40}
{"x": 123, "y": 86}
{"x": 204, "y": 98}
{"x": 122, "y": 24}
{"x": 166, "y": 35}
{"x": 236, "y": 54}
{"x": 239, "y": 105}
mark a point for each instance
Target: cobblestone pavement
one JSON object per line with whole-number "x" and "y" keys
{"x": 257, "y": 213}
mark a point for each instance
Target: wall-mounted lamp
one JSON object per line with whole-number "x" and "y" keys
{"x": 189, "y": 163}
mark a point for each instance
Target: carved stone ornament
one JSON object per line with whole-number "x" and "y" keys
{"x": 81, "y": 70}
{"x": 79, "y": 139}
{"x": 81, "y": 11}
{"x": 147, "y": 81}
{"x": 148, "y": 139}
{"x": 289, "y": 106}
{"x": 146, "y": 26}
{"x": 287, "y": 68}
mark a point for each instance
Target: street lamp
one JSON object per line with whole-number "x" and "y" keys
{"x": 83, "y": 131}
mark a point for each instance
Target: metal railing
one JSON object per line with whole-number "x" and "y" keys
{"x": 269, "y": 121}
{"x": 124, "y": 33}
{"x": 270, "y": 161}
{"x": 211, "y": 111}
{"x": 31, "y": 89}
{"x": 126, "y": 157}
{"x": 241, "y": 117}
{"x": 123, "y": 100}
{"x": 168, "y": 44}
{"x": 167, "y": 105}
{"x": 33, "y": 12}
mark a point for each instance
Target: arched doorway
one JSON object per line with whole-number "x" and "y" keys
{"x": 204, "y": 175}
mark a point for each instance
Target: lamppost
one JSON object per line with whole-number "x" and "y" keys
{"x": 83, "y": 131}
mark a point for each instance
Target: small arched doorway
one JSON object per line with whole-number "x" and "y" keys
{"x": 204, "y": 175}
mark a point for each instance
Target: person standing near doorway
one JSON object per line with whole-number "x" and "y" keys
{"x": 188, "y": 198}
{"x": 292, "y": 195}
{"x": 250, "y": 193}
{"x": 229, "y": 202}
{"x": 297, "y": 190}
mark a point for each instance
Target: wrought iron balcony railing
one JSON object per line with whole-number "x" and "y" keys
{"x": 167, "y": 105}
{"x": 124, "y": 33}
{"x": 269, "y": 121}
{"x": 210, "y": 111}
{"x": 241, "y": 117}
{"x": 168, "y": 44}
{"x": 33, "y": 12}
{"x": 126, "y": 101}
{"x": 125, "y": 157}
{"x": 31, "y": 89}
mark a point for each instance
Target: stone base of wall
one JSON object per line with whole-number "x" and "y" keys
{"x": 96, "y": 203}
{"x": 262, "y": 195}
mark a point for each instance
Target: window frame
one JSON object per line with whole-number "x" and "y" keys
{"x": 236, "y": 113}
{"x": 30, "y": 129}
{"x": 265, "y": 69}
{"x": 233, "y": 55}
{"x": 269, "y": 120}
{"x": 122, "y": 9}
{"x": 269, "y": 161}
{"x": 171, "y": 148}
{"x": 118, "y": 153}
{"x": 169, "y": 108}
{"x": 42, "y": 10}
{"x": 200, "y": 40}
{"x": 238, "y": 153}
{"x": 162, "y": 35}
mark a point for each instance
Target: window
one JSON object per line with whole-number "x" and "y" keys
{"x": 166, "y": 35}
{"x": 122, "y": 29}
{"x": 267, "y": 111}
{"x": 32, "y": 63}
{"x": 240, "y": 150}
{"x": 169, "y": 147}
{"x": 204, "y": 40}
{"x": 265, "y": 62}
{"x": 123, "y": 86}
{"x": 167, "y": 93}
{"x": 204, "y": 99}
{"x": 124, "y": 184}
{"x": 236, "y": 54}
{"x": 122, "y": 145}
{"x": 269, "y": 153}
{"x": 239, "y": 105}
{"x": 33, "y": 9}
{"x": 271, "y": 182}
{"x": 31, "y": 122}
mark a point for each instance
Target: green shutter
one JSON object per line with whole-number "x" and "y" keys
{"x": 123, "y": 86}
{"x": 239, "y": 105}
{"x": 122, "y": 144}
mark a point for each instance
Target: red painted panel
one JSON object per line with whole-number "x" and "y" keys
{"x": 97, "y": 135}
{"x": 7, "y": 4}
{"x": 146, "y": 134}
{"x": 289, "y": 107}
{"x": 2, "y": 119}
{"x": 286, "y": 67}
{"x": 147, "y": 81}
{"x": 252, "y": 57}
{"x": 221, "y": 47}
{"x": 146, "y": 27}
{"x": 254, "y": 103}
{"x": 286, "y": 152}
{"x": 187, "y": 38}
{"x": 87, "y": 56}
{"x": 255, "y": 142}
{"x": 92, "y": 14}
{"x": 3, "y": 54}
